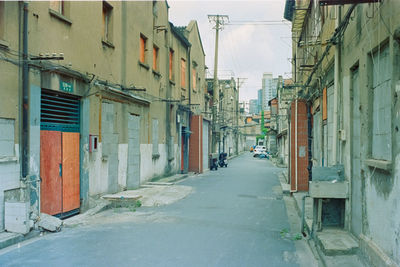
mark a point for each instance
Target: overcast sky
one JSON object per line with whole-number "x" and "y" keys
{"x": 245, "y": 50}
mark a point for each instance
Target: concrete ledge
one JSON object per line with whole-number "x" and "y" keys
{"x": 374, "y": 254}
{"x": 380, "y": 164}
{"x": 336, "y": 242}
{"x": 327, "y": 189}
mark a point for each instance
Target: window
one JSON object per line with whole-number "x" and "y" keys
{"x": 381, "y": 105}
{"x": 143, "y": 41}
{"x": 7, "y": 137}
{"x": 183, "y": 73}
{"x": 155, "y": 57}
{"x": 58, "y": 6}
{"x": 2, "y": 14}
{"x": 171, "y": 64}
{"x": 194, "y": 78}
{"x": 155, "y": 138}
{"x": 107, "y": 22}
{"x": 60, "y": 10}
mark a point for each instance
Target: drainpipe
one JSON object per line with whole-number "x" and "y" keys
{"x": 309, "y": 143}
{"x": 170, "y": 143}
{"x": 25, "y": 93}
{"x": 295, "y": 142}
{"x": 336, "y": 91}
{"x": 187, "y": 136}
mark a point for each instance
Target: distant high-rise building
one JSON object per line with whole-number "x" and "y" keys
{"x": 260, "y": 100}
{"x": 269, "y": 85}
{"x": 253, "y": 106}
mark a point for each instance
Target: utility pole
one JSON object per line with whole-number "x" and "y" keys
{"x": 240, "y": 81}
{"x": 219, "y": 21}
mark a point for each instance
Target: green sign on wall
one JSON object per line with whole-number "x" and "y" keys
{"x": 66, "y": 87}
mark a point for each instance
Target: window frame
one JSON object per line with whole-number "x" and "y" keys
{"x": 2, "y": 19}
{"x": 143, "y": 50}
{"x": 61, "y": 12}
{"x": 377, "y": 94}
{"x": 171, "y": 64}
{"x": 107, "y": 22}
{"x": 183, "y": 73}
{"x": 156, "y": 51}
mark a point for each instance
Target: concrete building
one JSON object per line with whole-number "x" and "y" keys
{"x": 346, "y": 68}
{"x": 253, "y": 106}
{"x": 285, "y": 97}
{"x": 269, "y": 85}
{"x": 110, "y": 109}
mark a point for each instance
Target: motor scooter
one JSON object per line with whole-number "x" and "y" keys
{"x": 223, "y": 159}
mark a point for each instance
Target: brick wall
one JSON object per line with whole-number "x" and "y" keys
{"x": 196, "y": 144}
{"x": 302, "y": 146}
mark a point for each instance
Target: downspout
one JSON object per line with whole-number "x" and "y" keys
{"x": 25, "y": 93}
{"x": 310, "y": 139}
{"x": 168, "y": 108}
{"x": 336, "y": 92}
{"x": 295, "y": 142}
{"x": 187, "y": 135}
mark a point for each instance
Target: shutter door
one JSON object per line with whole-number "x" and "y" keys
{"x": 59, "y": 111}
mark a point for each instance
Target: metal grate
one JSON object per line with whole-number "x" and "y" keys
{"x": 59, "y": 111}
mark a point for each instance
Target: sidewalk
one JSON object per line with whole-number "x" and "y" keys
{"x": 163, "y": 191}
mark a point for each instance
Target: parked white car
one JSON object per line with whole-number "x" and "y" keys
{"x": 259, "y": 150}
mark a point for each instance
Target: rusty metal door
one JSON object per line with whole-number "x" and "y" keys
{"x": 50, "y": 172}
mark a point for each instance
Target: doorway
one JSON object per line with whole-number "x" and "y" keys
{"x": 59, "y": 154}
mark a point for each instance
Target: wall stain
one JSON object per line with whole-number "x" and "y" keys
{"x": 383, "y": 182}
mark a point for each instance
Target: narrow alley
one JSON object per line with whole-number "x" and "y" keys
{"x": 235, "y": 216}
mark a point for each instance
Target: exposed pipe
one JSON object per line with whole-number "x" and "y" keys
{"x": 168, "y": 105}
{"x": 336, "y": 92}
{"x": 309, "y": 143}
{"x": 295, "y": 142}
{"x": 25, "y": 93}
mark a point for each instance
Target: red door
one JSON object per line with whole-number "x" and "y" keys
{"x": 50, "y": 170}
{"x": 59, "y": 170}
{"x": 70, "y": 175}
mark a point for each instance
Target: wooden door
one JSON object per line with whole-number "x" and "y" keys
{"x": 70, "y": 171}
{"x": 50, "y": 172}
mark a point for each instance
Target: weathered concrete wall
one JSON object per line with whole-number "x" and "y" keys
{"x": 376, "y": 189}
{"x": 149, "y": 167}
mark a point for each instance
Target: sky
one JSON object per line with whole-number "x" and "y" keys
{"x": 246, "y": 50}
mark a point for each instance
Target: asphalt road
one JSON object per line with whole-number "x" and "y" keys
{"x": 236, "y": 216}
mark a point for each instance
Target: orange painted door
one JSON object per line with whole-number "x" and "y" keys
{"x": 50, "y": 170}
{"x": 70, "y": 172}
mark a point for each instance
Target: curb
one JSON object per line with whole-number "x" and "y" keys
{"x": 16, "y": 238}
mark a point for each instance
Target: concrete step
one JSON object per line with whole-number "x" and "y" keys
{"x": 336, "y": 242}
